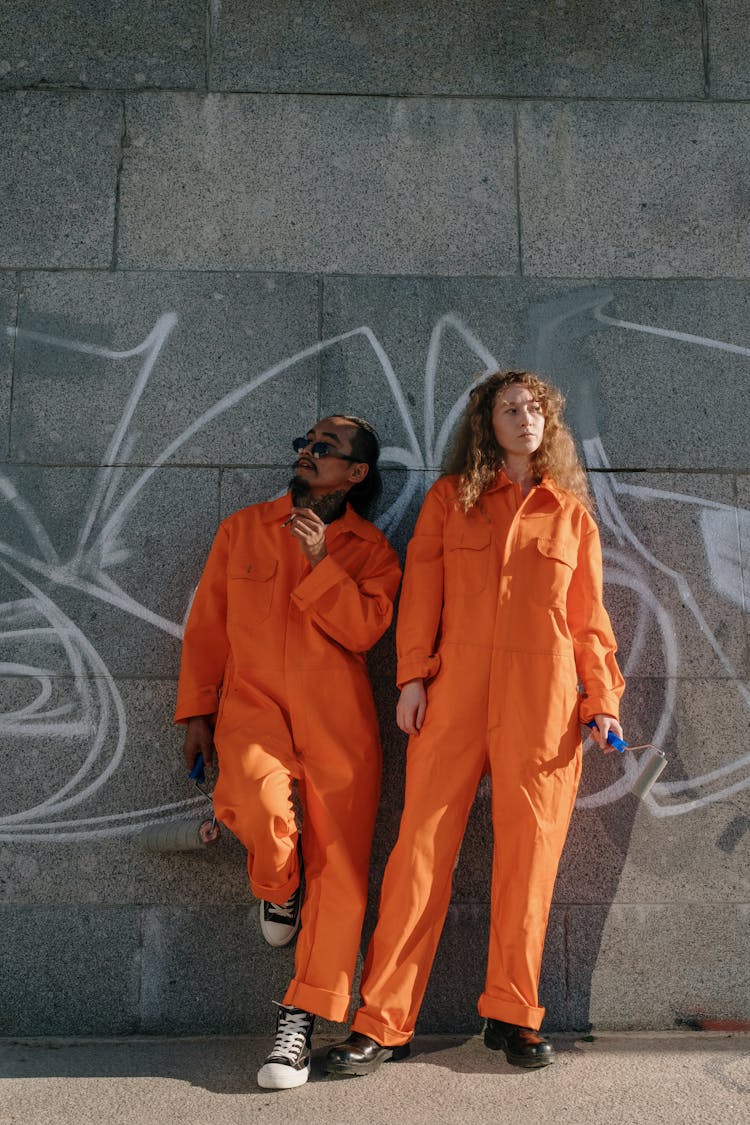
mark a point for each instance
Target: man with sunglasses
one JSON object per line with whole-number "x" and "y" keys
{"x": 273, "y": 680}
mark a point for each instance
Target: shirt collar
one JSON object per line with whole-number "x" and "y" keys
{"x": 503, "y": 481}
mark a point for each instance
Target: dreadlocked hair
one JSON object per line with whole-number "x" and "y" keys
{"x": 475, "y": 457}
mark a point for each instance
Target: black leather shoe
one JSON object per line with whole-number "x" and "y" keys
{"x": 360, "y": 1055}
{"x": 522, "y": 1046}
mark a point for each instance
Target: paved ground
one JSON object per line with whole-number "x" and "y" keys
{"x": 672, "y": 1077}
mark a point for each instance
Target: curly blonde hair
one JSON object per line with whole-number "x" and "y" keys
{"x": 475, "y": 456}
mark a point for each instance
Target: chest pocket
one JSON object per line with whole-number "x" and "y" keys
{"x": 250, "y": 592}
{"x": 468, "y": 553}
{"x": 555, "y": 562}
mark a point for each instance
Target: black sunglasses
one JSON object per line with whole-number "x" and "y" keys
{"x": 320, "y": 449}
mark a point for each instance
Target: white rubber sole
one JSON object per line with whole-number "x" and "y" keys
{"x": 276, "y": 1076}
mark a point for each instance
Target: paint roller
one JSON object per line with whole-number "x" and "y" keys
{"x": 182, "y": 835}
{"x": 652, "y": 761}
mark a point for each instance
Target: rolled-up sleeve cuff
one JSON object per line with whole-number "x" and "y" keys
{"x": 605, "y": 704}
{"x": 201, "y": 703}
{"x": 417, "y": 668}
{"x": 321, "y": 578}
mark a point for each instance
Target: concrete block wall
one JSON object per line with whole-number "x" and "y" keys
{"x": 219, "y": 220}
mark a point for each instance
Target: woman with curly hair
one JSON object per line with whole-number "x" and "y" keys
{"x": 504, "y": 648}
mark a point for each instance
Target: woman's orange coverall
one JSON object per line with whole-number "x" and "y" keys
{"x": 501, "y": 613}
{"x": 277, "y": 648}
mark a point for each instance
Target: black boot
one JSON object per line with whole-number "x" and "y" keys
{"x": 360, "y": 1055}
{"x": 522, "y": 1046}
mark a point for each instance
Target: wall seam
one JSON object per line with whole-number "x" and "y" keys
{"x": 14, "y": 337}
{"x": 517, "y": 175}
{"x": 213, "y": 12}
{"x": 319, "y": 358}
{"x": 623, "y": 99}
{"x": 139, "y": 1013}
{"x": 705, "y": 46}
{"x": 118, "y": 180}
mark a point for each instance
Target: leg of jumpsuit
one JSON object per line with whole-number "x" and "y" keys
{"x": 340, "y": 791}
{"x": 444, "y": 766}
{"x": 532, "y": 801}
{"x": 252, "y": 798}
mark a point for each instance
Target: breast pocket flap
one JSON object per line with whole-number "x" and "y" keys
{"x": 259, "y": 571}
{"x": 559, "y": 550}
{"x": 472, "y": 538}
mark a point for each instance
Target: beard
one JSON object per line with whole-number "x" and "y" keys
{"x": 329, "y": 507}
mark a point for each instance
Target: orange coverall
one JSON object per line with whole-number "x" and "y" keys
{"x": 501, "y": 613}
{"x": 277, "y": 648}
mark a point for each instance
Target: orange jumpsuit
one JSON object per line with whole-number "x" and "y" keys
{"x": 501, "y": 613}
{"x": 277, "y": 647}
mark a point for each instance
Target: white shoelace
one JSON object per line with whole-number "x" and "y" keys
{"x": 286, "y": 910}
{"x": 291, "y": 1033}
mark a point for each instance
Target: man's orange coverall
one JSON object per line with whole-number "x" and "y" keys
{"x": 501, "y": 613}
{"x": 277, "y": 649}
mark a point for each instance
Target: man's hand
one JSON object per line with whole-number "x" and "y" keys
{"x": 310, "y": 532}
{"x": 199, "y": 739}
{"x": 605, "y": 724}
{"x": 411, "y": 707}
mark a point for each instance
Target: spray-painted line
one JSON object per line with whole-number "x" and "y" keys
{"x": 418, "y": 467}
{"x": 669, "y": 333}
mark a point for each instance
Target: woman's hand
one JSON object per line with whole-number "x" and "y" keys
{"x": 310, "y": 532}
{"x": 605, "y": 724}
{"x": 411, "y": 706}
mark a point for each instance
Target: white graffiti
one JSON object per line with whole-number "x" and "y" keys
{"x": 36, "y": 634}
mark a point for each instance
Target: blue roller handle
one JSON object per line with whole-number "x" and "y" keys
{"x": 619, "y": 745}
{"x": 198, "y": 772}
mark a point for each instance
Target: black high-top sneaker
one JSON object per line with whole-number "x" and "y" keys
{"x": 279, "y": 924}
{"x": 288, "y": 1065}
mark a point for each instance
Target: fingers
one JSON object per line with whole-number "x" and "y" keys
{"x": 310, "y": 532}
{"x": 411, "y": 707}
{"x": 199, "y": 739}
{"x": 605, "y": 724}
{"x": 305, "y": 519}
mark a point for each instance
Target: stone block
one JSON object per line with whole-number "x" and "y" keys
{"x": 242, "y": 487}
{"x": 673, "y": 573}
{"x": 729, "y": 40}
{"x": 743, "y": 502}
{"x": 684, "y": 341}
{"x": 390, "y": 48}
{"x": 611, "y": 50}
{"x": 58, "y": 166}
{"x": 76, "y": 44}
{"x": 83, "y": 784}
{"x": 458, "y": 975}
{"x": 193, "y": 369}
{"x": 457, "y": 978}
{"x": 110, "y": 559}
{"x": 207, "y": 970}
{"x": 588, "y": 209}
{"x": 591, "y": 49}
{"x": 687, "y": 840}
{"x": 656, "y": 966}
{"x": 69, "y": 970}
{"x": 408, "y": 350}
{"x": 318, "y": 184}
{"x": 8, "y": 303}
{"x": 415, "y": 346}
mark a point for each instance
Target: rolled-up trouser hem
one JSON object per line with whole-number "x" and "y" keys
{"x": 319, "y": 1001}
{"x": 276, "y": 894}
{"x": 379, "y": 1031}
{"x": 508, "y": 1012}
